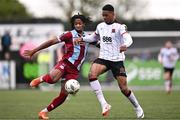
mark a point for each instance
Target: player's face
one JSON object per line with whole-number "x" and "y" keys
{"x": 79, "y": 25}
{"x": 168, "y": 44}
{"x": 108, "y": 16}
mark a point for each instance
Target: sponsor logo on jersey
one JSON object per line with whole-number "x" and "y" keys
{"x": 62, "y": 66}
{"x": 113, "y": 30}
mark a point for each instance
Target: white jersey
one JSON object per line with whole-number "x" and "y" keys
{"x": 169, "y": 57}
{"x": 111, "y": 40}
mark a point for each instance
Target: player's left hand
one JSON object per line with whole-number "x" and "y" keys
{"x": 123, "y": 48}
{"x": 78, "y": 41}
{"x": 28, "y": 53}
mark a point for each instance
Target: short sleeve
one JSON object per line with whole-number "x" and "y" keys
{"x": 123, "y": 29}
{"x": 175, "y": 49}
{"x": 97, "y": 30}
{"x": 161, "y": 51}
{"x": 64, "y": 37}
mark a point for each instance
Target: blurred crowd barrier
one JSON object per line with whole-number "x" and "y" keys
{"x": 7, "y": 75}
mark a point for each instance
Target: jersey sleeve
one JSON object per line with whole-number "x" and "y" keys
{"x": 126, "y": 37}
{"x": 161, "y": 51}
{"x": 91, "y": 38}
{"x": 123, "y": 29}
{"x": 160, "y": 55}
{"x": 64, "y": 37}
{"x": 176, "y": 54}
{"x": 97, "y": 30}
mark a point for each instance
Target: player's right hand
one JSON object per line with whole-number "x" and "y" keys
{"x": 123, "y": 48}
{"x": 28, "y": 53}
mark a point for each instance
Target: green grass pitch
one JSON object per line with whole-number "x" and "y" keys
{"x": 25, "y": 105}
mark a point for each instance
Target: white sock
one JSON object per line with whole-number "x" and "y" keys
{"x": 133, "y": 100}
{"x": 45, "y": 110}
{"x": 96, "y": 87}
{"x": 167, "y": 85}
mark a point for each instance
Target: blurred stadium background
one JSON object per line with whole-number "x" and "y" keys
{"x": 28, "y": 29}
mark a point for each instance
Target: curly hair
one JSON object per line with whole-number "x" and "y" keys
{"x": 82, "y": 17}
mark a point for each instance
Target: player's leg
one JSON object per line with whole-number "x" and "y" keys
{"x": 122, "y": 82}
{"x": 52, "y": 77}
{"x": 168, "y": 79}
{"x": 70, "y": 72}
{"x": 95, "y": 70}
{"x": 167, "y": 82}
{"x": 120, "y": 75}
{"x": 55, "y": 103}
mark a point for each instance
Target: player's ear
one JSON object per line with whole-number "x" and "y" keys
{"x": 112, "y": 13}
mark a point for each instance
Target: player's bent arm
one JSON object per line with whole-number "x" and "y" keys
{"x": 160, "y": 58}
{"x": 127, "y": 39}
{"x": 176, "y": 55}
{"x": 46, "y": 44}
{"x": 90, "y": 38}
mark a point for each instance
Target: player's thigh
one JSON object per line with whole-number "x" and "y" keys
{"x": 119, "y": 73}
{"x": 168, "y": 72}
{"x": 167, "y": 75}
{"x": 96, "y": 70}
{"x": 56, "y": 74}
{"x": 118, "y": 69}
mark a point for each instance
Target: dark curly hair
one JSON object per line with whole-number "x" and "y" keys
{"x": 82, "y": 17}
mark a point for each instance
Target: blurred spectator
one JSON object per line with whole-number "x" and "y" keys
{"x": 145, "y": 55}
{"x": 6, "y": 43}
{"x": 168, "y": 57}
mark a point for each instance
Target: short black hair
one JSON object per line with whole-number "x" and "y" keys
{"x": 108, "y": 7}
{"x": 78, "y": 16}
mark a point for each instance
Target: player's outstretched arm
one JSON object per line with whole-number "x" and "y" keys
{"x": 91, "y": 38}
{"x": 88, "y": 38}
{"x": 30, "y": 53}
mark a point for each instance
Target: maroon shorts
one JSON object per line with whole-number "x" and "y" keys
{"x": 68, "y": 69}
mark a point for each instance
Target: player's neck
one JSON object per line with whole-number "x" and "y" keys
{"x": 80, "y": 32}
{"x": 109, "y": 23}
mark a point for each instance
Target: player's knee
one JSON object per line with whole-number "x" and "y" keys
{"x": 92, "y": 77}
{"x": 54, "y": 78}
{"x": 125, "y": 91}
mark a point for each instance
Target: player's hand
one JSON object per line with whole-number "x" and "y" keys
{"x": 123, "y": 48}
{"x": 28, "y": 53}
{"x": 78, "y": 41}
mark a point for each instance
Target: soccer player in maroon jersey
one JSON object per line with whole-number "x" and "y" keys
{"x": 68, "y": 67}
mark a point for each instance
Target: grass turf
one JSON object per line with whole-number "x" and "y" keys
{"x": 25, "y": 104}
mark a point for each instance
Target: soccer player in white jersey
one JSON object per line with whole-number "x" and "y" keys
{"x": 114, "y": 39}
{"x": 168, "y": 57}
